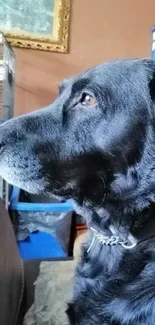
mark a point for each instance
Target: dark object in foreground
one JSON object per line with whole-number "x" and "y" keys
{"x": 11, "y": 273}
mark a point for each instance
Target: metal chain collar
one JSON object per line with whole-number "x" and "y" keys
{"x": 109, "y": 240}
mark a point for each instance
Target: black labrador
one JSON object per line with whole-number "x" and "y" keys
{"x": 96, "y": 145}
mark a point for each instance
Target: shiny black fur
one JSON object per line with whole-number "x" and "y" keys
{"x": 103, "y": 157}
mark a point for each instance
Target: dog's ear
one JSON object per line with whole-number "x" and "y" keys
{"x": 62, "y": 85}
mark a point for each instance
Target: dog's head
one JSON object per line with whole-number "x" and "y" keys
{"x": 95, "y": 143}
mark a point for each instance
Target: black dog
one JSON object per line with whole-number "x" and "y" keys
{"x": 96, "y": 144}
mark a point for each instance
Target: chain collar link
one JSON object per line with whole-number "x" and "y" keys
{"x": 109, "y": 240}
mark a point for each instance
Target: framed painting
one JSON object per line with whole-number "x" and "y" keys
{"x": 34, "y": 24}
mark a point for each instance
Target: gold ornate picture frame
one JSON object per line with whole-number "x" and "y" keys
{"x": 36, "y": 24}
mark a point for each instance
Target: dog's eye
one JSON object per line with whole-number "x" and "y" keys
{"x": 87, "y": 99}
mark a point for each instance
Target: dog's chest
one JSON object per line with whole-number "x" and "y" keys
{"x": 111, "y": 291}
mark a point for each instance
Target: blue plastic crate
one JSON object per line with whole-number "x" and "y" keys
{"x": 24, "y": 206}
{"x": 39, "y": 244}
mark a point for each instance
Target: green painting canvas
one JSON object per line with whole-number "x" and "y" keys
{"x": 36, "y": 24}
{"x": 29, "y": 16}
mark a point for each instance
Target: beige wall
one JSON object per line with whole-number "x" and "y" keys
{"x": 100, "y": 30}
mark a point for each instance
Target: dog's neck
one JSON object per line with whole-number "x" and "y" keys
{"x": 129, "y": 204}
{"x": 142, "y": 229}
{"x": 128, "y": 241}
{"x": 108, "y": 257}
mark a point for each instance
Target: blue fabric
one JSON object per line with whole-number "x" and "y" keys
{"x": 40, "y": 245}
